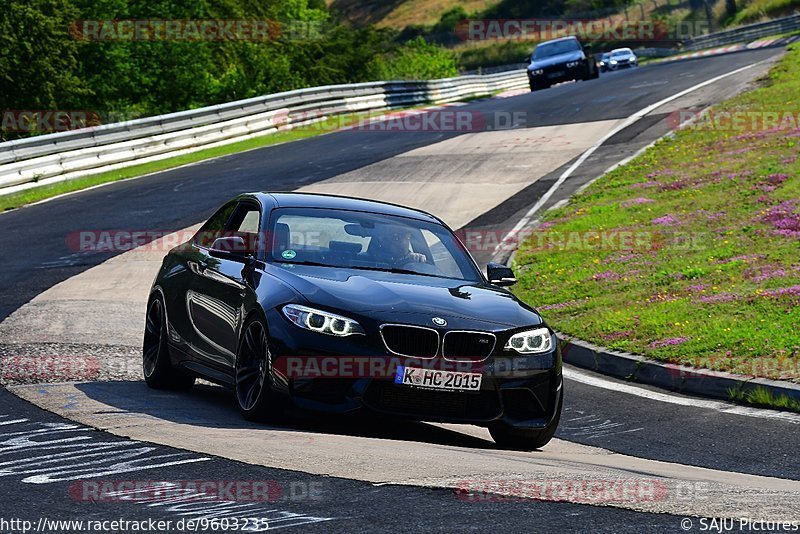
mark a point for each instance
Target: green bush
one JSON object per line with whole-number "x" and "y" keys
{"x": 415, "y": 60}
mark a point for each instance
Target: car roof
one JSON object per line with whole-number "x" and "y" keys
{"x": 317, "y": 200}
{"x": 567, "y": 38}
{"x": 628, "y": 50}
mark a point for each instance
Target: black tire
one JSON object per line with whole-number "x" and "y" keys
{"x": 527, "y": 440}
{"x": 252, "y": 379}
{"x": 156, "y": 366}
{"x": 539, "y": 86}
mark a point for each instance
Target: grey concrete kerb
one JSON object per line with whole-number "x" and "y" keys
{"x": 679, "y": 378}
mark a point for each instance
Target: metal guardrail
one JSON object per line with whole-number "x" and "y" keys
{"x": 744, "y": 33}
{"x": 60, "y": 156}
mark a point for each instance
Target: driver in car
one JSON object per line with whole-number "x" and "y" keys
{"x": 395, "y": 246}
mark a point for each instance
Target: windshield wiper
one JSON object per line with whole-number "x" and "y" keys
{"x": 396, "y": 270}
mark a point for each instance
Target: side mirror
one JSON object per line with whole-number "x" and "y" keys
{"x": 230, "y": 248}
{"x": 500, "y": 275}
{"x": 528, "y": 60}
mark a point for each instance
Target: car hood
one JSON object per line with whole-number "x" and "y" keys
{"x": 382, "y": 295}
{"x": 555, "y": 60}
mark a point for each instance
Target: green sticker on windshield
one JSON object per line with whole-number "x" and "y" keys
{"x": 288, "y": 254}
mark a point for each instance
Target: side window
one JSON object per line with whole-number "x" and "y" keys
{"x": 442, "y": 258}
{"x": 245, "y": 223}
{"x": 246, "y": 220}
{"x": 214, "y": 227}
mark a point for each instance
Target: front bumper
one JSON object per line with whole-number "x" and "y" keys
{"x": 622, "y": 64}
{"x": 351, "y": 374}
{"x": 553, "y": 74}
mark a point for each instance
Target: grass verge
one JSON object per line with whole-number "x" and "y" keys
{"x": 690, "y": 253}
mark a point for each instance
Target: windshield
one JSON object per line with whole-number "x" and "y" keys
{"x": 556, "y": 48}
{"x": 618, "y": 53}
{"x": 368, "y": 241}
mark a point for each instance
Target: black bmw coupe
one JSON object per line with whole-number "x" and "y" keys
{"x": 338, "y": 304}
{"x": 560, "y": 60}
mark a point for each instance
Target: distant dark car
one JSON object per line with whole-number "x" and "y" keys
{"x": 604, "y": 61}
{"x": 338, "y": 304}
{"x": 560, "y": 60}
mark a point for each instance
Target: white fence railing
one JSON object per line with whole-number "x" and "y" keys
{"x": 741, "y": 34}
{"x": 61, "y": 156}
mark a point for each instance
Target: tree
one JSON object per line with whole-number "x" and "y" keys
{"x": 37, "y": 55}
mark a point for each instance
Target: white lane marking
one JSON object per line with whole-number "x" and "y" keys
{"x": 30, "y": 447}
{"x": 590, "y": 426}
{"x": 31, "y": 450}
{"x": 723, "y": 407}
{"x": 504, "y": 243}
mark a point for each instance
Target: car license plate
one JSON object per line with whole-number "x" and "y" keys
{"x": 437, "y": 379}
{"x": 556, "y": 74}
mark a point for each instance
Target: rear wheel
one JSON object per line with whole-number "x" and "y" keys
{"x": 156, "y": 366}
{"x": 254, "y": 396}
{"x": 527, "y": 440}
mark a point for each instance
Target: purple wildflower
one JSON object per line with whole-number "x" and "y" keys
{"x": 719, "y": 298}
{"x": 784, "y": 219}
{"x": 697, "y": 288}
{"x": 765, "y": 273}
{"x": 606, "y": 275}
{"x": 666, "y": 220}
{"x": 677, "y": 185}
{"x": 668, "y": 342}
{"x": 557, "y": 306}
{"x": 636, "y": 202}
{"x": 644, "y": 185}
{"x": 777, "y": 179}
{"x": 620, "y": 258}
{"x": 740, "y": 151}
{"x": 662, "y": 172}
{"x": 793, "y": 291}
{"x": 613, "y": 336}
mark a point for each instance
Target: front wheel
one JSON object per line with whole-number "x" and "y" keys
{"x": 526, "y": 440}
{"x": 156, "y": 366}
{"x": 254, "y": 394}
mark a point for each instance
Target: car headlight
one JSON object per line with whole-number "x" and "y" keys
{"x": 613, "y": 61}
{"x": 531, "y": 341}
{"x": 321, "y": 321}
{"x": 573, "y": 64}
{"x": 537, "y": 72}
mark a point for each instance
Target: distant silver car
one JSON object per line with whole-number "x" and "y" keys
{"x": 621, "y": 57}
